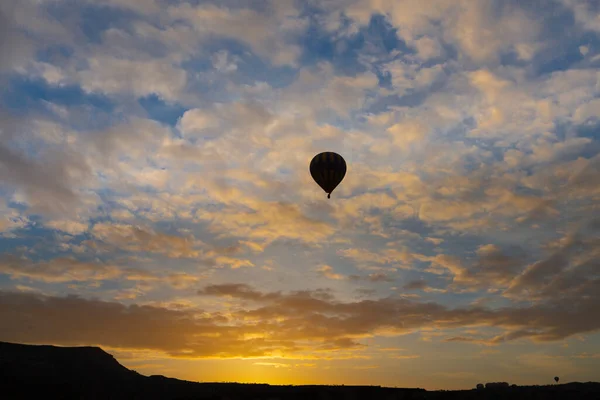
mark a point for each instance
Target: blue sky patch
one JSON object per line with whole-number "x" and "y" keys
{"x": 25, "y": 93}
{"x": 204, "y": 202}
{"x": 159, "y": 110}
{"x": 97, "y": 19}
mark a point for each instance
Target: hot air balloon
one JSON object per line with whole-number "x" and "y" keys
{"x": 556, "y": 379}
{"x": 328, "y": 169}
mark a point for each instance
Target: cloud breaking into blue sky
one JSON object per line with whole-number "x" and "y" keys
{"x": 156, "y": 199}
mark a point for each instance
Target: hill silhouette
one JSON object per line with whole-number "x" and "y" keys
{"x": 51, "y": 372}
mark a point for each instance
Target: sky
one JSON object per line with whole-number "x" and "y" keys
{"x": 156, "y": 200}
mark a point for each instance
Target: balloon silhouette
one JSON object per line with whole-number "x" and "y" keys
{"x": 556, "y": 379}
{"x": 328, "y": 169}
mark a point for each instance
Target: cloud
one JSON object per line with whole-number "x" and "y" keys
{"x": 565, "y": 272}
{"x": 480, "y": 30}
{"x": 141, "y": 6}
{"x": 283, "y": 320}
{"x": 46, "y": 182}
{"x": 405, "y": 134}
{"x": 374, "y": 277}
{"x": 416, "y": 285}
{"x": 327, "y": 272}
{"x": 139, "y": 239}
{"x": 145, "y": 239}
{"x": 404, "y": 357}
{"x": 269, "y": 221}
{"x": 497, "y": 264}
{"x": 265, "y": 33}
{"x": 15, "y": 48}
{"x": 548, "y": 324}
{"x": 70, "y": 269}
{"x": 182, "y": 280}
{"x": 468, "y": 339}
{"x": 180, "y": 133}
{"x": 484, "y": 32}
{"x": 70, "y": 227}
{"x": 10, "y": 219}
{"x": 274, "y": 365}
{"x": 584, "y": 14}
{"x": 57, "y": 316}
{"x": 58, "y": 270}
{"x": 238, "y": 119}
{"x": 112, "y": 75}
{"x": 408, "y": 77}
{"x": 222, "y": 62}
{"x": 380, "y": 277}
{"x": 341, "y": 94}
{"x": 394, "y": 258}
{"x": 587, "y": 355}
{"x": 47, "y": 186}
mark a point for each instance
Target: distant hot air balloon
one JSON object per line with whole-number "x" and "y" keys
{"x": 328, "y": 169}
{"x": 556, "y": 379}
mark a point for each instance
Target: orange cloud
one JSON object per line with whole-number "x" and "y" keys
{"x": 271, "y": 323}
{"x": 327, "y": 271}
{"x": 139, "y": 239}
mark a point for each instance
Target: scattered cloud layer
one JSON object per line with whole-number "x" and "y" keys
{"x": 154, "y": 173}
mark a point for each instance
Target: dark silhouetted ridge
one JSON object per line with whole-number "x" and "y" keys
{"x": 60, "y": 361}
{"x": 51, "y": 372}
{"x": 70, "y": 371}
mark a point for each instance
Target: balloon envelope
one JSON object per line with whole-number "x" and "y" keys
{"x": 556, "y": 378}
{"x": 328, "y": 169}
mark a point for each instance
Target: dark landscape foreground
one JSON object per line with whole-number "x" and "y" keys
{"x": 49, "y": 372}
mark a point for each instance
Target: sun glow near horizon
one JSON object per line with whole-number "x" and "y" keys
{"x": 157, "y": 199}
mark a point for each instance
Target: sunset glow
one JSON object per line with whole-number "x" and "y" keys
{"x": 156, "y": 199}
